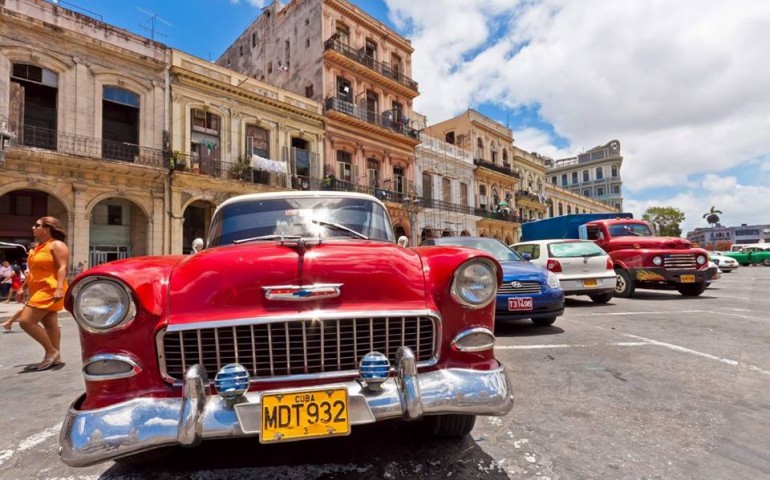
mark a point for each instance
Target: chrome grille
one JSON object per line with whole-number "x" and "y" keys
{"x": 525, "y": 288}
{"x": 679, "y": 261}
{"x": 297, "y": 347}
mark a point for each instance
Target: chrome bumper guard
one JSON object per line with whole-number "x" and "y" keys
{"x": 94, "y": 436}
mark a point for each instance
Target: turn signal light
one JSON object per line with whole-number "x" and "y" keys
{"x": 553, "y": 265}
{"x": 610, "y": 266}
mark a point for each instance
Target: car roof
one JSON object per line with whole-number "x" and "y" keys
{"x": 298, "y": 194}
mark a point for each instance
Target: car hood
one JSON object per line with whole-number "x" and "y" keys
{"x": 523, "y": 271}
{"x": 229, "y": 282}
{"x": 651, "y": 242}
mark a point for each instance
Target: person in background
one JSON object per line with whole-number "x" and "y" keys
{"x": 47, "y": 282}
{"x": 79, "y": 269}
{"x": 6, "y": 272}
{"x": 16, "y": 284}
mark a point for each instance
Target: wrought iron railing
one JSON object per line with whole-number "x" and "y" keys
{"x": 364, "y": 59}
{"x": 81, "y": 145}
{"x": 533, "y": 197}
{"x": 498, "y": 168}
{"x": 398, "y": 125}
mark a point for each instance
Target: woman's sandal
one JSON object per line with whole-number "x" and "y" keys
{"x": 48, "y": 362}
{"x": 8, "y": 329}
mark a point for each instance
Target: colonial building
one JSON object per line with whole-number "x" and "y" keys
{"x": 447, "y": 188}
{"x": 496, "y": 181}
{"x": 84, "y": 103}
{"x": 562, "y": 201}
{"x": 232, "y": 134}
{"x": 720, "y": 237}
{"x": 333, "y": 52}
{"x": 594, "y": 174}
{"x": 531, "y": 197}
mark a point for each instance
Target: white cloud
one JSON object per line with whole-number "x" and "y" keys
{"x": 253, "y": 3}
{"x": 682, "y": 85}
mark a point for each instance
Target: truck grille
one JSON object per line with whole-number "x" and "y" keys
{"x": 297, "y": 347}
{"x": 679, "y": 261}
{"x": 520, "y": 288}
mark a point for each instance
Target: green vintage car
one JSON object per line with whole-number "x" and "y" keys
{"x": 750, "y": 255}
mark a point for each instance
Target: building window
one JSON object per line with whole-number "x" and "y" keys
{"x": 307, "y": 43}
{"x": 479, "y": 148}
{"x": 373, "y": 172}
{"x": 257, "y": 141}
{"x": 464, "y": 194}
{"x": 344, "y": 166}
{"x": 614, "y": 170}
{"x": 493, "y": 152}
{"x": 343, "y": 34}
{"x": 616, "y": 189}
{"x": 427, "y": 186}
{"x": 564, "y": 180}
{"x": 446, "y": 190}
{"x": 108, "y": 214}
{"x": 370, "y": 50}
{"x": 240, "y": 51}
{"x": 287, "y": 53}
{"x": 561, "y": 209}
{"x": 505, "y": 158}
{"x": 397, "y": 112}
{"x": 253, "y": 40}
{"x": 450, "y": 137}
{"x": 586, "y": 178}
{"x": 569, "y": 209}
{"x": 617, "y": 206}
{"x": 574, "y": 178}
{"x": 554, "y": 180}
{"x": 398, "y": 179}
{"x": 309, "y": 91}
{"x": 396, "y": 63}
{"x": 599, "y": 191}
{"x": 269, "y": 67}
{"x": 344, "y": 92}
{"x": 587, "y": 192}
{"x": 599, "y": 173}
{"x": 120, "y": 124}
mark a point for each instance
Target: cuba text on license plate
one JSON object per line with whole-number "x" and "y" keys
{"x": 304, "y": 414}
{"x": 517, "y": 304}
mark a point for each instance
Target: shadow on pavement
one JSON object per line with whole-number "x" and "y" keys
{"x": 524, "y": 328}
{"x": 392, "y": 449}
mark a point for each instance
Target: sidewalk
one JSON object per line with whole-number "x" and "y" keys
{"x": 8, "y": 309}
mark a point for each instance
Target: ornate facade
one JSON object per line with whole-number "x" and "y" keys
{"x": 531, "y": 197}
{"x": 566, "y": 202}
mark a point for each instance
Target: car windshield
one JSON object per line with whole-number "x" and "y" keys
{"x": 574, "y": 249}
{"x": 630, "y": 230}
{"x": 496, "y": 248}
{"x": 318, "y": 217}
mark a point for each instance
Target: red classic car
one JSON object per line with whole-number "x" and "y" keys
{"x": 301, "y": 318}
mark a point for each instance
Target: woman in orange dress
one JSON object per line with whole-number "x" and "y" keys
{"x": 47, "y": 282}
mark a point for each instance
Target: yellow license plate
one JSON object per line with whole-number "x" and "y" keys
{"x": 304, "y": 414}
{"x": 590, "y": 283}
{"x": 687, "y": 278}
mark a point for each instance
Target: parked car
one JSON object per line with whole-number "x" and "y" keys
{"x": 726, "y": 264}
{"x": 715, "y": 275}
{"x": 527, "y": 291}
{"x": 582, "y": 266}
{"x": 300, "y": 319}
{"x": 751, "y": 255}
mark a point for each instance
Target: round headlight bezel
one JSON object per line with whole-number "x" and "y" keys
{"x": 456, "y": 288}
{"x": 701, "y": 260}
{"x": 657, "y": 261}
{"x": 82, "y": 318}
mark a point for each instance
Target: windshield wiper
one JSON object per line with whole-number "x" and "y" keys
{"x": 267, "y": 237}
{"x": 340, "y": 228}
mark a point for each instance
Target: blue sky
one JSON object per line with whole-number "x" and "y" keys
{"x": 682, "y": 85}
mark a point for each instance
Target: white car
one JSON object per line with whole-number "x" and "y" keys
{"x": 582, "y": 266}
{"x": 726, "y": 264}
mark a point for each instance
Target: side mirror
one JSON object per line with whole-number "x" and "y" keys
{"x": 526, "y": 256}
{"x": 197, "y": 245}
{"x": 403, "y": 241}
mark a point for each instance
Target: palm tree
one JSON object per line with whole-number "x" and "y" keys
{"x": 711, "y": 216}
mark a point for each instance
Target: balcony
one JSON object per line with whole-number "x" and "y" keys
{"x": 524, "y": 195}
{"x": 399, "y": 126}
{"x": 361, "y": 58}
{"x": 83, "y": 146}
{"x": 479, "y": 162}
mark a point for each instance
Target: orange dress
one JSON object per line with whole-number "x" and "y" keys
{"x": 42, "y": 279}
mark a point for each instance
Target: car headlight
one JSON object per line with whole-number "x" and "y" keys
{"x": 475, "y": 284}
{"x": 101, "y": 304}
{"x": 701, "y": 259}
{"x": 552, "y": 280}
{"x": 657, "y": 261}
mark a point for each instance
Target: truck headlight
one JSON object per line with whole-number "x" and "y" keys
{"x": 101, "y": 304}
{"x": 475, "y": 284}
{"x": 552, "y": 280}
{"x": 657, "y": 261}
{"x": 701, "y": 260}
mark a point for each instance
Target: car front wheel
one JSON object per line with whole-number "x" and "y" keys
{"x": 451, "y": 425}
{"x": 624, "y": 286}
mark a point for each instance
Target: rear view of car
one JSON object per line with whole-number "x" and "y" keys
{"x": 582, "y": 266}
{"x": 527, "y": 290}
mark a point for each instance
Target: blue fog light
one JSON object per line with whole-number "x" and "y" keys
{"x": 232, "y": 380}
{"x": 374, "y": 369}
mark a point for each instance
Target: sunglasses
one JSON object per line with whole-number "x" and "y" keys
{"x": 38, "y": 225}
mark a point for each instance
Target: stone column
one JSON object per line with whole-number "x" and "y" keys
{"x": 81, "y": 226}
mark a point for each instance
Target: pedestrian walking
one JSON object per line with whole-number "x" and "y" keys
{"x": 47, "y": 282}
{"x": 16, "y": 281}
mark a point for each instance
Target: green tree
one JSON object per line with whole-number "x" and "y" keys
{"x": 711, "y": 216}
{"x": 665, "y": 219}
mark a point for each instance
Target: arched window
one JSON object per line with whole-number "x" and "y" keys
{"x": 33, "y": 105}
{"x": 120, "y": 123}
{"x": 480, "y": 148}
{"x": 493, "y": 151}
{"x": 505, "y": 158}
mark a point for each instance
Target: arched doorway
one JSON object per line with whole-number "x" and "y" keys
{"x": 197, "y": 217}
{"x": 18, "y": 211}
{"x": 118, "y": 230}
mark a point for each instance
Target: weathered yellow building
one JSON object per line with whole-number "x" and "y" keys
{"x": 531, "y": 197}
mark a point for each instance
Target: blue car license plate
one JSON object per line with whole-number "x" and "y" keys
{"x": 519, "y": 304}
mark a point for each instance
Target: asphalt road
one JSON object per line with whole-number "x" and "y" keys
{"x": 655, "y": 387}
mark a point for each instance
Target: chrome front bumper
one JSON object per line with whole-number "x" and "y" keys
{"x": 94, "y": 436}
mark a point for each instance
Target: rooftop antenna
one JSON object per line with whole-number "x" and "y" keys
{"x": 154, "y": 17}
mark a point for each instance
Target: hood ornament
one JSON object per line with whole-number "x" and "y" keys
{"x": 302, "y": 293}
{"x": 516, "y": 285}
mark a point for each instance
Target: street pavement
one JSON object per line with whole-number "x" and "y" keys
{"x": 655, "y": 387}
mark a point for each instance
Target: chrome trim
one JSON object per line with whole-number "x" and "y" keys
{"x": 436, "y": 343}
{"x": 123, "y": 323}
{"x": 472, "y": 331}
{"x": 408, "y": 383}
{"x": 118, "y": 357}
{"x": 310, "y": 315}
{"x": 139, "y": 424}
{"x": 315, "y": 291}
{"x": 455, "y": 294}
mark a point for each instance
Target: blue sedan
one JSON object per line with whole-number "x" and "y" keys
{"x": 527, "y": 291}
